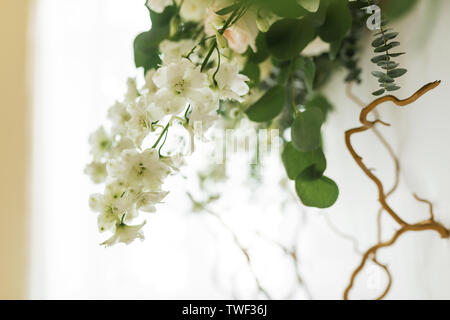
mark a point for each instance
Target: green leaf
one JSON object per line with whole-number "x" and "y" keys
{"x": 334, "y": 49}
{"x": 379, "y": 92}
{"x": 387, "y": 47}
{"x": 309, "y": 69}
{"x": 310, "y": 5}
{"x": 305, "y": 130}
{"x": 394, "y": 55}
{"x": 252, "y": 71}
{"x": 283, "y": 8}
{"x": 319, "y": 101}
{"x": 392, "y": 87}
{"x": 146, "y": 50}
{"x": 388, "y": 65}
{"x": 397, "y": 73}
{"x": 338, "y": 21}
{"x": 163, "y": 18}
{"x": 146, "y": 44}
{"x": 384, "y": 38}
{"x": 377, "y": 59}
{"x": 315, "y": 190}
{"x": 288, "y": 37}
{"x": 262, "y": 52}
{"x": 296, "y": 161}
{"x": 268, "y": 106}
{"x": 227, "y": 10}
{"x": 398, "y": 8}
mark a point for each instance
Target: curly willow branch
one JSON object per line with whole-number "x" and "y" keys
{"x": 426, "y": 225}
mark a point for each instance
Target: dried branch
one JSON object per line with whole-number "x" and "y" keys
{"x": 242, "y": 249}
{"x": 426, "y": 225}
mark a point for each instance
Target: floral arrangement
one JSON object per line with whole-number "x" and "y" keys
{"x": 209, "y": 61}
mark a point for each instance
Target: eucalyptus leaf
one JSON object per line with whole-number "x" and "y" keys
{"x": 318, "y": 100}
{"x": 310, "y": 5}
{"x": 315, "y": 190}
{"x": 387, "y": 47}
{"x": 268, "y": 106}
{"x": 296, "y": 161}
{"x": 309, "y": 70}
{"x": 305, "y": 130}
{"x": 286, "y": 38}
{"x": 337, "y": 23}
{"x": 379, "y": 92}
{"x": 396, "y": 73}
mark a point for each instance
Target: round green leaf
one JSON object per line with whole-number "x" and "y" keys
{"x": 288, "y": 37}
{"x": 396, "y": 73}
{"x": 296, "y": 161}
{"x": 310, "y": 5}
{"x": 337, "y": 23}
{"x": 268, "y": 106}
{"x": 146, "y": 51}
{"x": 313, "y": 191}
{"x": 319, "y": 101}
{"x": 305, "y": 130}
{"x": 252, "y": 71}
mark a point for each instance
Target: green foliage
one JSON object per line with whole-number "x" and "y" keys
{"x": 309, "y": 71}
{"x": 146, "y": 44}
{"x": 316, "y": 190}
{"x": 286, "y": 38}
{"x": 262, "y": 52}
{"x": 283, "y": 8}
{"x": 318, "y": 100}
{"x": 252, "y": 71}
{"x": 395, "y": 9}
{"x": 296, "y": 161}
{"x": 384, "y": 42}
{"x": 305, "y": 131}
{"x": 337, "y": 23}
{"x": 310, "y": 5}
{"x": 268, "y": 106}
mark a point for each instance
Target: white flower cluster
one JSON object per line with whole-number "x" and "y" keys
{"x": 127, "y": 157}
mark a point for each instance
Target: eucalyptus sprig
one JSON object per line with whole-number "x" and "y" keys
{"x": 384, "y": 43}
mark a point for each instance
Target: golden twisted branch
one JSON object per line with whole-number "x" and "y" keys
{"x": 426, "y": 225}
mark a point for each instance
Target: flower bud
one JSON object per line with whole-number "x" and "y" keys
{"x": 221, "y": 41}
{"x": 174, "y": 25}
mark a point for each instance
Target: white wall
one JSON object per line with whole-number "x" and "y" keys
{"x": 83, "y": 55}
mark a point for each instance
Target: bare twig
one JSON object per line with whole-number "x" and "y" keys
{"x": 426, "y": 225}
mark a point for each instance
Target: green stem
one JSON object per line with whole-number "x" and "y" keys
{"x": 161, "y": 135}
{"x": 231, "y": 20}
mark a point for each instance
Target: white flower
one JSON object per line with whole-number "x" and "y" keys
{"x": 114, "y": 205}
{"x": 243, "y": 34}
{"x": 119, "y": 116}
{"x": 194, "y": 10}
{"x": 150, "y": 86}
{"x": 132, "y": 91}
{"x": 96, "y": 171}
{"x": 173, "y": 51}
{"x": 125, "y": 234}
{"x": 158, "y": 5}
{"x": 146, "y": 200}
{"x": 205, "y": 101}
{"x": 174, "y": 162}
{"x": 169, "y": 103}
{"x": 100, "y": 143}
{"x": 142, "y": 115}
{"x": 139, "y": 169}
{"x": 230, "y": 82}
{"x": 181, "y": 79}
{"x": 124, "y": 143}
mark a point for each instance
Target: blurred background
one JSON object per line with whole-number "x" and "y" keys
{"x": 64, "y": 62}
